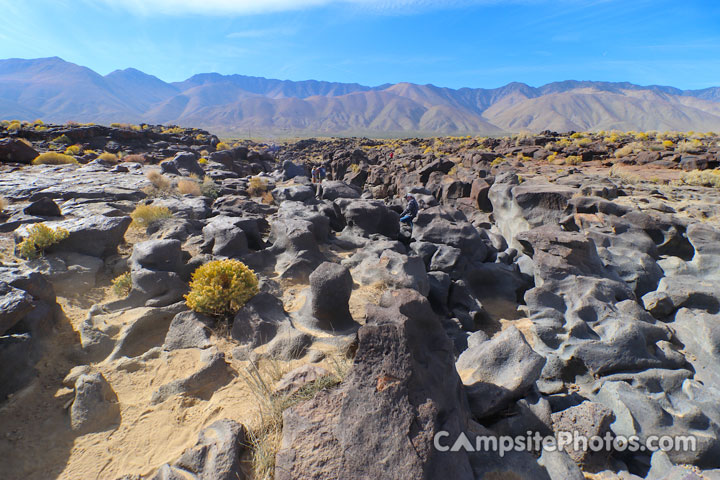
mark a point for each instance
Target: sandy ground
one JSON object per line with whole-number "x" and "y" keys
{"x": 37, "y": 442}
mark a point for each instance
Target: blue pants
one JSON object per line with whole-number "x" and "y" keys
{"x": 407, "y": 219}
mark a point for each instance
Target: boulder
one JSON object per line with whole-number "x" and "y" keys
{"x": 588, "y": 419}
{"x": 183, "y": 163}
{"x": 334, "y": 189}
{"x": 393, "y": 269}
{"x": 159, "y": 255}
{"x": 327, "y": 307}
{"x": 290, "y": 170}
{"x": 188, "y": 330}
{"x": 217, "y": 455}
{"x": 212, "y": 374}
{"x": 498, "y": 371}
{"x": 13, "y": 150}
{"x": 95, "y": 407}
{"x": 381, "y": 421}
{"x": 224, "y": 238}
{"x": 95, "y": 235}
{"x": 43, "y": 207}
{"x": 258, "y": 321}
{"x": 442, "y": 225}
{"x": 14, "y": 305}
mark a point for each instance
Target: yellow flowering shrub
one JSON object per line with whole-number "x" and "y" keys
{"x": 221, "y": 287}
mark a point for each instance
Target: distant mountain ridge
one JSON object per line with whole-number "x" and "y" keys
{"x": 59, "y": 91}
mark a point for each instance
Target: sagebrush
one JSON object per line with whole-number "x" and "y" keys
{"x": 40, "y": 237}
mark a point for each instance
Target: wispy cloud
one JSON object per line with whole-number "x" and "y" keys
{"x": 252, "y": 7}
{"x": 262, "y": 33}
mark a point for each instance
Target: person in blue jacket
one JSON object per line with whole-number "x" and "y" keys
{"x": 410, "y": 211}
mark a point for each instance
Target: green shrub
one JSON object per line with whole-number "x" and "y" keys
{"x": 39, "y": 238}
{"x": 122, "y": 284}
{"x": 144, "y": 215}
{"x": 221, "y": 287}
{"x": 54, "y": 158}
{"x": 209, "y": 188}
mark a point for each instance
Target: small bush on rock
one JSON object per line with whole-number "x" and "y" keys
{"x": 221, "y": 287}
{"x": 257, "y": 186}
{"x": 160, "y": 183}
{"x": 209, "y": 188}
{"x": 54, "y": 158}
{"x": 73, "y": 150}
{"x": 222, "y": 146}
{"x": 122, "y": 284}
{"x": 144, "y": 215}
{"x": 39, "y": 238}
{"x": 108, "y": 157}
{"x": 62, "y": 139}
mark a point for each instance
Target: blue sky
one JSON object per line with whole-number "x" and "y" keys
{"x": 454, "y": 43}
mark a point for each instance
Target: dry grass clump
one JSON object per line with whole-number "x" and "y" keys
{"x": 135, "y": 158}
{"x": 267, "y": 198}
{"x": 221, "y": 287}
{"x": 144, "y": 215}
{"x": 265, "y": 438}
{"x": 257, "y": 187}
{"x": 54, "y": 158}
{"x": 108, "y": 157}
{"x": 3, "y": 204}
{"x": 222, "y": 146}
{"x": 573, "y": 160}
{"x": 702, "y": 178}
{"x": 160, "y": 183}
{"x": 189, "y": 187}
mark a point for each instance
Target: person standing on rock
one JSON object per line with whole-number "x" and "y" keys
{"x": 410, "y": 211}
{"x": 315, "y": 174}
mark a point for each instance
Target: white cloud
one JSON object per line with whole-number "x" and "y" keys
{"x": 251, "y": 7}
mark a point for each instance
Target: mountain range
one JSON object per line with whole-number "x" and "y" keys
{"x": 54, "y": 90}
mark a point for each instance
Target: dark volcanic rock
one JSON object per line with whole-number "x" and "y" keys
{"x": 43, "y": 207}
{"x": 327, "y": 306}
{"x": 16, "y": 151}
{"x": 381, "y": 421}
{"x": 498, "y": 370}
{"x": 217, "y": 455}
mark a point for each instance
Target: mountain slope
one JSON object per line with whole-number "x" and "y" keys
{"x": 58, "y": 91}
